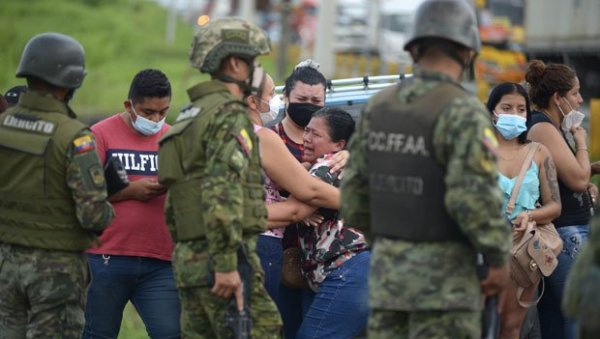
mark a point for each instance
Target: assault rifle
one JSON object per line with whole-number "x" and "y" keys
{"x": 240, "y": 321}
{"x": 490, "y": 319}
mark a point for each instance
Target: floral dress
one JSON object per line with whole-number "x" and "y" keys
{"x": 330, "y": 244}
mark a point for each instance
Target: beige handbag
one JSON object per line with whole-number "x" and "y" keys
{"x": 535, "y": 250}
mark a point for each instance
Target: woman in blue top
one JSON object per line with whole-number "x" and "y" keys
{"x": 509, "y": 106}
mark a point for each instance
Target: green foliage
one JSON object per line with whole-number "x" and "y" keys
{"x": 120, "y": 37}
{"x": 132, "y": 326}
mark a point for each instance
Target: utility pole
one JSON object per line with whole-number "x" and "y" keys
{"x": 248, "y": 10}
{"x": 171, "y": 28}
{"x": 284, "y": 38}
{"x": 324, "y": 53}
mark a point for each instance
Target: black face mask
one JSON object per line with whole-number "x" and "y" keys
{"x": 301, "y": 112}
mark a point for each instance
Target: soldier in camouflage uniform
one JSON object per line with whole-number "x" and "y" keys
{"x": 52, "y": 196}
{"x": 215, "y": 205}
{"x": 422, "y": 175}
{"x": 581, "y": 292}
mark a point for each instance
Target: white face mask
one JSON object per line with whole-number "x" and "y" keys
{"x": 146, "y": 126}
{"x": 572, "y": 119}
{"x": 274, "y": 107}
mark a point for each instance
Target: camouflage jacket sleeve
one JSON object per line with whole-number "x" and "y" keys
{"x": 227, "y": 160}
{"x": 355, "y": 183}
{"x": 465, "y": 143}
{"x": 85, "y": 179}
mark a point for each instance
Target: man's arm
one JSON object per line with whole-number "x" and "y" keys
{"x": 222, "y": 194}
{"x": 355, "y": 202}
{"x": 85, "y": 178}
{"x": 143, "y": 189}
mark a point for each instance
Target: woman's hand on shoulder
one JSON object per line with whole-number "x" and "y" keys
{"x": 339, "y": 161}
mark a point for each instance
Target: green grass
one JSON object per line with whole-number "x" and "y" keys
{"x": 132, "y": 326}
{"x": 120, "y": 37}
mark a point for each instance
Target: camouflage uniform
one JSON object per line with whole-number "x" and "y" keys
{"x": 429, "y": 289}
{"x": 222, "y": 153}
{"x": 581, "y": 292}
{"x": 43, "y": 277}
{"x": 52, "y": 199}
{"x": 210, "y": 163}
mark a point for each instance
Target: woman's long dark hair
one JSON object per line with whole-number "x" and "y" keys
{"x": 510, "y": 88}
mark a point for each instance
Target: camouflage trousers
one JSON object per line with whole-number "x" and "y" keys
{"x": 203, "y": 313}
{"x": 42, "y": 293}
{"x": 384, "y": 324}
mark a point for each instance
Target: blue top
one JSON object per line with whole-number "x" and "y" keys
{"x": 529, "y": 193}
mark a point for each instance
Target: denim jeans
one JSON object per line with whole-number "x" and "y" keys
{"x": 148, "y": 283}
{"x": 553, "y": 322}
{"x": 340, "y": 308}
{"x": 270, "y": 252}
{"x": 291, "y": 309}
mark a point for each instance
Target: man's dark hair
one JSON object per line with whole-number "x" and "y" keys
{"x": 305, "y": 74}
{"x": 341, "y": 124}
{"x": 149, "y": 83}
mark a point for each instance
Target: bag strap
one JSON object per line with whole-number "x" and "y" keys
{"x": 528, "y": 304}
{"x": 525, "y": 236}
{"x": 526, "y": 164}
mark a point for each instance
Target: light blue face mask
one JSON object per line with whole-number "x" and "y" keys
{"x": 510, "y": 126}
{"x": 145, "y": 126}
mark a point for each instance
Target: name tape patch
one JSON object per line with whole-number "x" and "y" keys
{"x": 29, "y": 124}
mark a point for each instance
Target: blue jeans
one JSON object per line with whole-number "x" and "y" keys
{"x": 340, "y": 308}
{"x": 147, "y": 282}
{"x": 553, "y": 322}
{"x": 270, "y": 252}
{"x": 291, "y": 309}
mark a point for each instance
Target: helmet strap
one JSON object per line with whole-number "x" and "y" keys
{"x": 70, "y": 94}
{"x": 249, "y": 86}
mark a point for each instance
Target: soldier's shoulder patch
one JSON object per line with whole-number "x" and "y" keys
{"x": 97, "y": 176}
{"x": 188, "y": 112}
{"x": 84, "y": 144}
{"x": 243, "y": 138}
{"x": 489, "y": 141}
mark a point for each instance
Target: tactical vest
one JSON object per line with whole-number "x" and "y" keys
{"x": 182, "y": 163}
{"x": 36, "y": 206}
{"x": 406, "y": 182}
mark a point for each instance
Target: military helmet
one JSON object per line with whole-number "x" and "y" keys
{"x": 452, "y": 20}
{"x": 55, "y": 58}
{"x": 224, "y": 37}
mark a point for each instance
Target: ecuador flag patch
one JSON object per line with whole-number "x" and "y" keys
{"x": 245, "y": 141}
{"x": 84, "y": 144}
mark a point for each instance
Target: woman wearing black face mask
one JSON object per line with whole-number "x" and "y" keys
{"x": 303, "y": 94}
